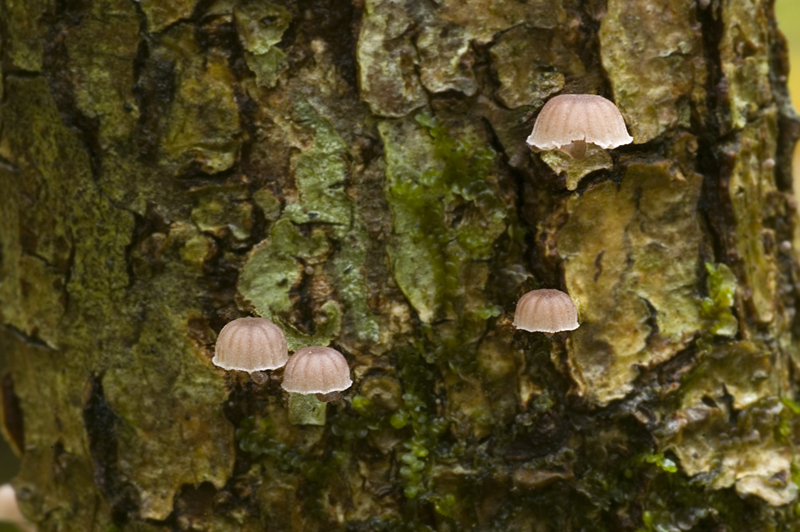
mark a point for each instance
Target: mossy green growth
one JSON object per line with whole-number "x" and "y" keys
{"x": 661, "y": 461}
{"x": 258, "y": 436}
{"x": 716, "y": 307}
{"x": 426, "y": 428}
{"x": 444, "y": 216}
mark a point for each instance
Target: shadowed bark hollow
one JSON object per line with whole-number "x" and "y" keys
{"x": 357, "y": 172}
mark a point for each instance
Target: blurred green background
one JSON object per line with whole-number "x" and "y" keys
{"x": 788, "y": 13}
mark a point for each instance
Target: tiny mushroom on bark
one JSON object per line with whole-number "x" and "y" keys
{"x": 9, "y": 509}
{"x": 567, "y": 122}
{"x": 317, "y": 370}
{"x": 252, "y": 345}
{"x": 547, "y": 311}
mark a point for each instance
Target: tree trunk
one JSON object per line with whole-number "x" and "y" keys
{"x": 358, "y": 173}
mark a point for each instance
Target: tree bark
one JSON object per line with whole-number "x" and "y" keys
{"x": 358, "y": 173}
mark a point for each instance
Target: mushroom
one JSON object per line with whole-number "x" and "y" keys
{"x": 548, "y": 311}
{"x": 317, "y": 370}
{"x": 567, "y": 122}
{"x": 9, "y": 509}
{"x": 252, "y": 345}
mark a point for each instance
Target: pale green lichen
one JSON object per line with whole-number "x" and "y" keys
{"x": 431, "y": 253}
{"x": 202, "y": 122}
{"x": 446, "y": 59}
{"x": 751, "y": 181}
{"x": 748, "y": 454}
{"x": 386, "y": 59}
{"x": 152, "y": 375}
{"x": 745, "y": 57}
{"x": 103, "y": 75}
{"x": 267, "y": 66}
{"x": 272, "y": 269}
{"x": 160, "y": 15}
{"x": 652, "y": 52}
{"x": 576, "y": 169}
{"x": 261, "y": 27}
{"x": 531, "y": 65}
{"x": 223, "y": 208}
{"x": 486, "y": 18}
{"x": 306, "y": 410}
{"x": 630, "y": 256}
{"x": 350, "y": 287}
{"x": 268, "y": 203}
{"x": 23, "y": 19}
{"x": 319, "y": 173}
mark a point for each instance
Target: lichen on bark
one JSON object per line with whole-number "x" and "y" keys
{"x": 357, "y": 172}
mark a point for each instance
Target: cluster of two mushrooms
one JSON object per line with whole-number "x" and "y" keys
{"x": 256, "y": 345}
{"x": 568, "y": 123}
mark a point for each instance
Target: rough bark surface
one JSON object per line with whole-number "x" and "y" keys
{"x": 357, "y": 172}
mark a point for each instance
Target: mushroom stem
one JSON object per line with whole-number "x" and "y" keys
{"x": 332, "y": 397}
{"x": 9, "y": 509}
{"x": 576, "y": 149}
{"x": 259, "y": 377}
{"x": 306, "y": 410}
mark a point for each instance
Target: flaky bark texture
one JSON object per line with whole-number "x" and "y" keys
{"x": 358, "y": 173}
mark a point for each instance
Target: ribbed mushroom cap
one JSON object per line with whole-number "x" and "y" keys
{"x": 316, "y": 369}
{"x": 251, "y": 344}
{"x": 546, "y": 310}
{"x": 575, "y": 117}
{"x": 9, "y": 509}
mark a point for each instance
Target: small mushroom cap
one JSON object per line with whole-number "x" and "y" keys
{"x": 251, "y": 344}
{"x": 567, "y": 118}
{"x": 316, "y": 369}
{"x": 9, "y": 509}
{"x": 546, "y": 310}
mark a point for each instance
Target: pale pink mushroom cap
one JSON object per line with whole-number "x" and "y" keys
{"x": 546, "y": 310}
{"x": 316, "y": 369}
{"x": 9, "y": 509}
{"x": 574, "y": 117}
{"x": 251, "y": 344}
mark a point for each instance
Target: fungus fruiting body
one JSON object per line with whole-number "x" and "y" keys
{"x": 548, "y": 311}
{"x": 569, "y": 121}
{"x": 316, "y": 370}
{"x": 252, "y": 345}
{"x": 9, "y": 509}
{"x": 313, "y": 377}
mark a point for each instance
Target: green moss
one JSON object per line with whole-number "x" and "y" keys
{"x": 661, "y": 461}
{"x": 716, "y": 309}
{"x": 426, "y": 429}
{"x": 433, "y": 251}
